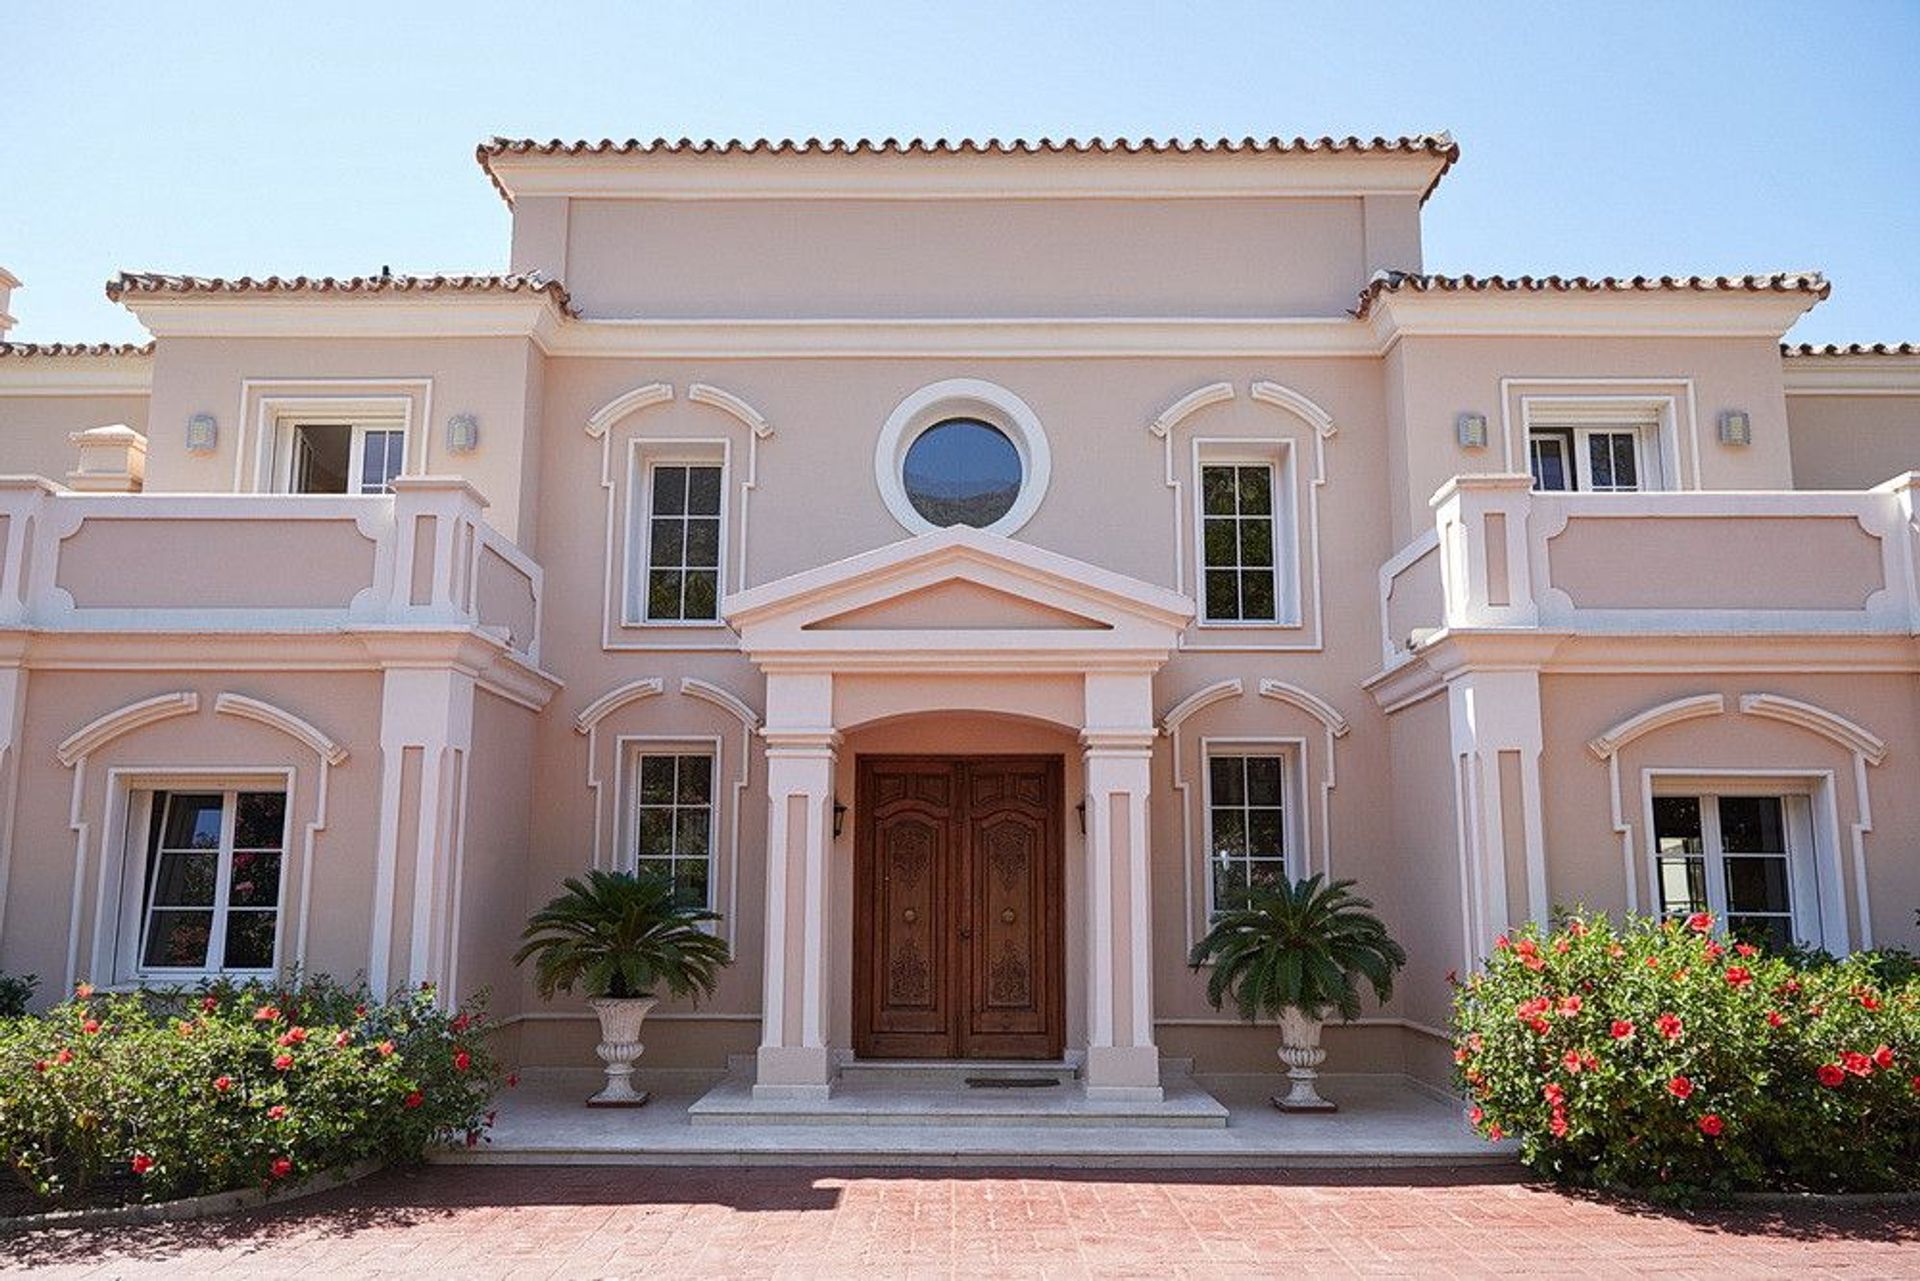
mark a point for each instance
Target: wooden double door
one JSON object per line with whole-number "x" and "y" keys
{"x": 957, "y": 904}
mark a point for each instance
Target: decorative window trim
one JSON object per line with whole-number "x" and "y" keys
{"x": 267, "y": 402}
{"x": 1663, "y": 408}
{"x": 1816, "y": 885}
{"x": 963, "y": 398}
{"x": 1278, "y": 456}
{"x": 126, "y": 861}
{"x": 643, "y": 455}
{"x": 1297, "y": 823}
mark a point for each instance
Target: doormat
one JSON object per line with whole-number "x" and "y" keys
{"x": 1011, "y": 1082}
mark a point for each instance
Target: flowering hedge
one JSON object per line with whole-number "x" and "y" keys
{"x": 150, "y": 1098}
{"x": 1656, "y": 1056}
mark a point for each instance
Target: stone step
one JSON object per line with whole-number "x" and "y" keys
{"x": 866, "y": 1101}
{"x": 947, "y": 1074}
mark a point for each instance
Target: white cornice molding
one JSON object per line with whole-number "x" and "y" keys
{"x": 1854, "y": 737}
{"x": 77, "y": 376}
{"x": 728, "y": 403}
{"x": 1310, "y": 703}
{"x": 1174, "y": 177}
{"x": 1272, "y": 393}
{"x": 1606, "y": 744}
{"x": 1191, "y": 403}
{"x": 253, "y": 709}
{"x": 616, "y": 698}
{"x": 1851, "y": 375}
{"x": 625, "y": 403}
{"x": 88, "y": 738}
{"x": 531, "y": 316}
{"x": 1675, "y": 314}
{"x": 1199, "y": 700}
{"x": 693, "y": 687}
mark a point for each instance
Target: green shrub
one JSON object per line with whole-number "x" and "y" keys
{"x": 15, "y": 993}
{"x": 1654, "y": 1056}
{"x": 231, "y": 1087}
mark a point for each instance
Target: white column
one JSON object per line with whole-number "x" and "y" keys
{"x": 426, "y": 736}
{"x": 1122, "y": 1060}
{"x": 1495, "y": 722}
{"x": 795, "y": 1061}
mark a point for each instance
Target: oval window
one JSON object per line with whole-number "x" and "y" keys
{"x": 961, "y": 471}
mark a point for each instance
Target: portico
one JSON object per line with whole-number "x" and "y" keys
{"x": 963, "y": 623}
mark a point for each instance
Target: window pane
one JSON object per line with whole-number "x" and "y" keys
{"x": 666, "y": 547}
{"x": 1256, "y": 491}
{"x": 1256, "y": 593}
{"x": 663, "y": 594}
{"x": 1223, "y": 594}
{"x": 1263, "y": 780}
{"x": 260, "y": 821}
{"x": 255, "y": 882}
{"x": 178, "y": 940}
{"x": 1219, "y": 540}
{"x": 669, "y": 491}
{"x": 1266, "y": 873}
{"x": 193, "y": 822}
{"x": 1752, "y": 825}
{"x": 690, "y": 883}
{"x": 690, "y": 833}
{"x": 1683, "y": 885}
{"x": 379, "y": 460}
{"x": 1549, "y": 463}
{"x": 703, "y": 543}
{"x": 250, "y": 940}
{"x": 1229, "y": 884}
{"x": 962, "y": 472}
{"x": 703, "y": 491}
{"x": 655, "y": 837}
{"x": 1775, "y": 933}
{"x": 656, "y": 780}
{"x": 696, "y": 780}
{"x": 185, "y": 880}
{"x": 1229, "y": 833}
{"x": 1600, "y": 460}
{"x": 1256, "y": 542}
{"x": 1676, "y": 825}
{"x": 702, "y": 594}
{"x": 1228, "y": 779}
{"x": 1266, "y": 834}
{"x": 320, "y": 455}
{"x": 1756, "y": 885}
{"x": 1216, "y": 489}
{"x": 1625, "y": 465}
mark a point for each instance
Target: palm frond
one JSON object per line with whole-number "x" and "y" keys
{"x": 1307, "y": 944}
{"x": 622, "y": 934}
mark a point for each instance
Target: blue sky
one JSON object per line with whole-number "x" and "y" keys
{"x": 1604, "y": 137}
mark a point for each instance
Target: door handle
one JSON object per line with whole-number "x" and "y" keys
{"x": 1007, "y": 916}
{"x": 966, "y": 934}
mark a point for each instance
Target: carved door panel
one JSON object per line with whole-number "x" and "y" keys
{"x": 958, "y": 895}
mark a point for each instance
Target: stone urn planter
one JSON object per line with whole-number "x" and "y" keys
{"x": 1300, "y": 1051}
{"x": 620, "y": 1019}
{"x": 1297, "y": 952}
{"x": 622, "y": 936}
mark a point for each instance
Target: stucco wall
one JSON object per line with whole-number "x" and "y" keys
{"x": 35, "y": 430}
{"x": 1852, "y": 442}
{"x": 497, "y": 829}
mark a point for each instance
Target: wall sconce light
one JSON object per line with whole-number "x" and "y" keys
{"x": 1471, "y": 430}
{"x": 463, "y": 434}
{"x": 1081, "y": 810}
{"x": 203, "y": 433}
{"x": 839, "y": 818}
{"x": 1736, "y": 427}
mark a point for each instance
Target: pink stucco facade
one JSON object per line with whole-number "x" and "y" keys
{"x": 1479, "y": 690}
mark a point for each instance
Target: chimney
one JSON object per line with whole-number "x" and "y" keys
{"x": 8, "y": 283}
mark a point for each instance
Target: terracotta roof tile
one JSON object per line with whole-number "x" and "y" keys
{"x": 1440, "y": 145}
{"x": 1851, "y": 349}
{"x": 21, "y": 350}
{"x": 156, "y": 283}
{"x": 1393, "y": 282}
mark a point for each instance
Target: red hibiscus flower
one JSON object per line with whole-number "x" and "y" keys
{"x": 1746, "y": 949}
{"x": 64, "y": 1057}
{"x": 1700, "y": 922}
{"x": 460, "y": 1022}
{"x": 91, "y": 1027}
{"x": 1776, "y": 1019}
{"x": 359, "y": 1011}
{"x": 1527, "y": 1011}
{"x": 1715, "y": 951}
{"x": 1653, "y": 962}
{"x": 39, "y": 1065}
{"x": 280, "y": 1168}
{"x": 293, "y": 1036}
{"x": 184, "y": 1028}
{"x": 1832, "y": 1075}
{"x": 1867, "y": 999}
{"x": 1533, "y": 963}
{"x": 1883, "y": 1056}
{"x": 141, "y": 1163}
{"x": 1669, "y": 1025}
{"x": 1562, "y": 946}
{"x": 1572, "y": 1061}
{"x": 1495, "y": 1133}
{"x": 1914, "y": 1084}
{"x": 513, "y": 1079}
{"x": 1680, "y": 1087}
{"x": 1570, "y": 1005}
{"x": 1527, "y": 947}
{"x": 462, "y": 1061}
{"x": 277, "y": 1112}
{"x": 1554, "y": 1093}
{"x": 413, "y": 1100}
{"x": 283, "y": 1062}
{"x": 1558, "y": 1125}
{"x": 209, "y": 1003}
{"x": 1857, "y": 1063}
{"x": 221, "y": 1084}
{"x": 1577, "y": 928}
{"x": 1621, "y": 1029}
{"x": 1739, "y": 975}
{"x": 1460, "y": 1054}
{"x": 1616, "y": 951}
{"x": 1711, "y": 1125}
{"x": 1477, "y": 1114}
{"x": 265, "y": 1014}
{"x": 341, "y": 1037}
{"x": 385, "y": 1048}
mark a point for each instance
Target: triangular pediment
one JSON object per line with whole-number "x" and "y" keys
{"x": 959, "y": 606}
{"x": 955, "y": 591}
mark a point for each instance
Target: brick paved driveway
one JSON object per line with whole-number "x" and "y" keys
{"x": 578, "y": 1222}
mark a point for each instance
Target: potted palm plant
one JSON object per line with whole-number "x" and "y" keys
{"x": 1298, "y": 951}
{"x": 621, "y": 936}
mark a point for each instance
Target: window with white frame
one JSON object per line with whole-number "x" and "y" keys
{"x": 1241, "y": 582}
{"x": 342, "y": 456}
{"x": 682, "y": 527}
{"x": 1597, "y": 459}
{"x": 673, "y": 830}
{"x": 1743, "y": 856}
{"x": 1248, "y": 824}
{"x": 210, "y": 877}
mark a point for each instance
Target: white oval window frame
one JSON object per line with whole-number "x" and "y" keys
{"x": 963, "y": 398}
